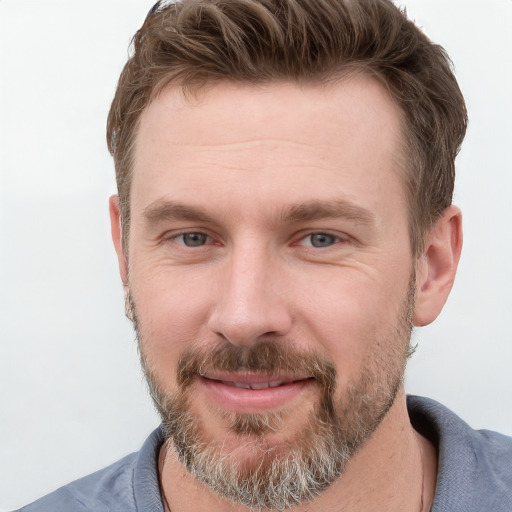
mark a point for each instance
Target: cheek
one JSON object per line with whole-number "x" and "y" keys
{"x": 343, "y": 325}
{"x": 172, "y": 310}
{"x": 348, "y": 317}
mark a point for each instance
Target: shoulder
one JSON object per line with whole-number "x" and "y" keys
{"x": 475, "y": 466}
{"x": 128, "y": 485}
{"x": 108, "y": 489}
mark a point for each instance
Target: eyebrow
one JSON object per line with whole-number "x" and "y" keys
{"x": 317, "y": 210}
{"x": 170, "y": 210}
{"x": 162, "y": 210}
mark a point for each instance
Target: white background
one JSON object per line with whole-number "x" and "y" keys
{"x": 72, "y": 398}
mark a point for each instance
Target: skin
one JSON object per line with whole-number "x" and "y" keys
{"x": 244, "y": 156}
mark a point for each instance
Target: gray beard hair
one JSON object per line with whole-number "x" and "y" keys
{"x": 298, "y": 470}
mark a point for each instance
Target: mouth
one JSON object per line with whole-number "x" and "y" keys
{"x": 261, "y": 385}
{"x": 252, "y": 393}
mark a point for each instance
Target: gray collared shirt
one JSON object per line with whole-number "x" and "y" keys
{"x": 474, "y": 474}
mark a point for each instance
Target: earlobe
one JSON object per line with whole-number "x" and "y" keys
{"x": 117, "y": 237}
{"x": 436, "y": 268}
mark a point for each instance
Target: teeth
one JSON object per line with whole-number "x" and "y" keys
{"x": 240, "y": 385}
{"x": 260, "y": 385}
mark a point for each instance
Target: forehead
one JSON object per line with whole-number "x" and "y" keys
{"x": 252, "y": 141}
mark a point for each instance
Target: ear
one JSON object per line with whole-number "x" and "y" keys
{"x": 436, "y": 268}
{"x": 117, "y": 238}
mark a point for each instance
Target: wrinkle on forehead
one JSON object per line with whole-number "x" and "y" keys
{"x": 229, "y": 105}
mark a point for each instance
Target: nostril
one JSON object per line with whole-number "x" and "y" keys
{"x": 245, "y": 322}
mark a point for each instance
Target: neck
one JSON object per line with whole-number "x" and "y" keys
{"x": 394, "y": 471}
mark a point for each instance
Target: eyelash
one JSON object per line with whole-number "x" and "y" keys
{"x": 174, "y": 237}
{"x": 334, "y": 239}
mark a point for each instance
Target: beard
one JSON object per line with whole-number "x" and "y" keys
{"x": 259, "y": 473}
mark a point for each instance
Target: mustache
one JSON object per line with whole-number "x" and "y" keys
{"x": 267, "y": 357}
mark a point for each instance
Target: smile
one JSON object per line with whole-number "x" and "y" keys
{"x": 261, "y": 385}
{"x": 250, "y": 393}
{"x": 255, "y": 385}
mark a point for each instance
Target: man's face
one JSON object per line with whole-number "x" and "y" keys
{"x": 270, "y": 271}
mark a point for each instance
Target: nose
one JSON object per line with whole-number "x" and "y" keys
{"x": 252, "y": 302}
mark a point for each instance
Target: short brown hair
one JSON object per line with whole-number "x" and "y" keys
{"x": 194, "y": 42}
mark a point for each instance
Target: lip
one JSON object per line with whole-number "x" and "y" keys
{"x": 252, "y": 393}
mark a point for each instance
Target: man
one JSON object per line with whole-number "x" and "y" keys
{"x": 285, "y": 174}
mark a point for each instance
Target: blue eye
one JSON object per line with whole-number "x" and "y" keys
{"x": 193, "y": 239}
{"x": 322, "y": 239}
